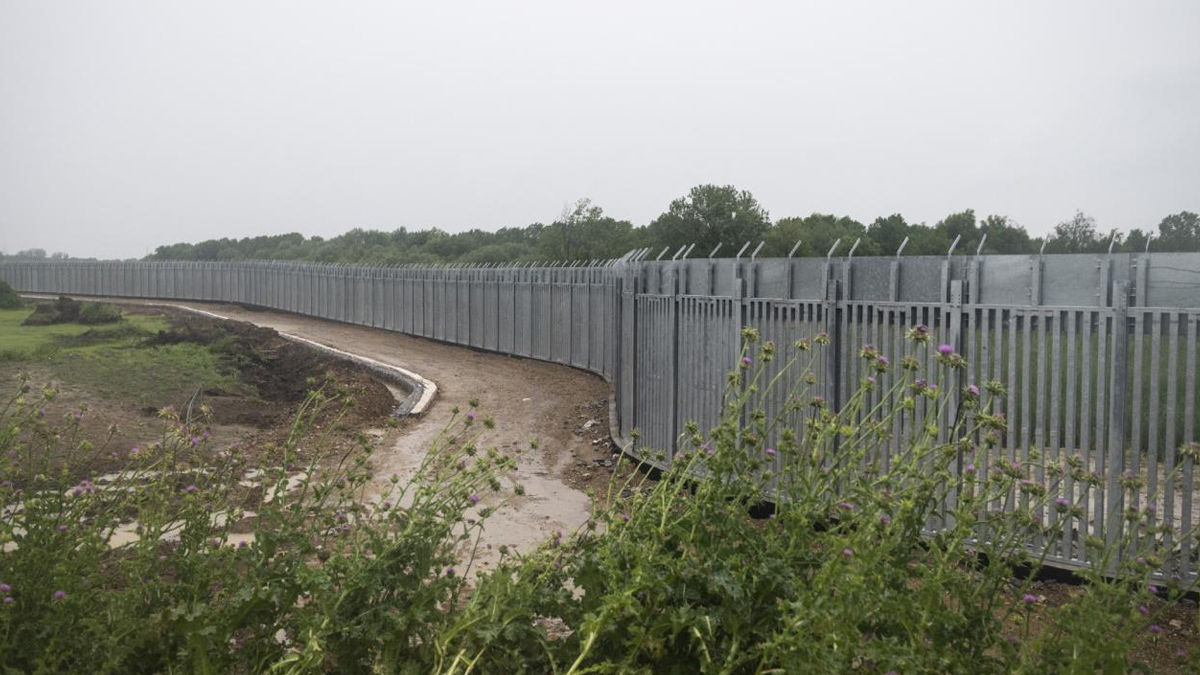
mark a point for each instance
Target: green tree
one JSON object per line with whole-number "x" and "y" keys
{"x": 709, "y": 215}
{"x": 583, "y": 232}
{"x": 1179, "y": 232}
{"x": 1005, "y": 236}
{"x": 818, "y": 232}
{"x": 1077, "y": 235}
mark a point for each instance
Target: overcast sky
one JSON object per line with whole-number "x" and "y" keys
{"x": 127, "y": 125}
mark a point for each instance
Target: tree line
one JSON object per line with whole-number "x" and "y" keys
{"x": 720, "y": 218}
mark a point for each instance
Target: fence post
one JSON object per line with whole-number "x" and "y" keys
{"x": 1119, "y": 379}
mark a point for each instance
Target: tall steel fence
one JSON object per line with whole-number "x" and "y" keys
{"x": 1098, "y": 353}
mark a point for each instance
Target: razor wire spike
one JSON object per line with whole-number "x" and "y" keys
{"x": 979, "y": 248}
{"x": 1112, "y": 242}
{"x": 662, "y": 253}
{"x": 714, "y": 251}
{"x": 901, "y": 248}
{"x": 743, "y": 250}
{"x": 679, "y": 252}
{"x": 953, "y": 245}
{"x": 755, "y": 254}
{"x": 833, "y": 248}
{"x": 1149, "y": 238}
{"x": 853, "y": 248}
{"x": 688, "y": 251}
{"x": 795, "y": 248}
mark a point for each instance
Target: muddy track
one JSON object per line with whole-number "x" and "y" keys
{"x": 528, "y": 399}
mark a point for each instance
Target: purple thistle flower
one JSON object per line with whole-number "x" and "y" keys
{"x": 771, "y": 452}
{"x": 133, "y": 452}
{"x": 59, "y": 595}
{"x": 191, "y": 489}
{"x": 63, "y": 528}
{"x": 1155, "y": 628}
{"x": 625, "y": 517}
{"x": 474, "y": 499}
{"x": 1153, "y": 589}
{"x": 974, "y": 389}
{"x": 969, "y": 469}
{"x": 8, "y": 600}
{"x": 883, "y": 361}
{"x": 849, "y": 553}
{"x": 5, "y": 588}
{"x": 449, "y": 571}
{"x": 846, "y": 506}
{"x": 1145, "y": 611}
{"x": 746, "y": 360}
{"x": 1062, "y": 503}
{"x": 195, "y": 441}
{"x": 945, "y": 350}
{"x": 885, "y": 519}
{"x": 471, "y": 415}
{"x": 1029, "y": 599}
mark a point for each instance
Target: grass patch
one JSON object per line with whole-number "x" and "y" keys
{"x": 114, "y": 362}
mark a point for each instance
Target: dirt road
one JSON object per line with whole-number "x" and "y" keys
{"x": 528, "y": 400}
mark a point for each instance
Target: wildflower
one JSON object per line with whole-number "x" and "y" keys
{"x": 818, "y": 402}
{"x": 945, "y": 350}
{"x": 63, "y": 528}
{"x": 1029, "y": 599}
{"x": 449, "y": 571}
{"x": 972, "y": 391}
{"x": 5, "y": 588}
{"x": 8, "y": 600}
{"x": 746, "y": 361}
{"x": 474, "y": 499}
{"x": 191, "y": 489}
{"x": 868, "y": 352}
{"x": 1153, "y": 589}
{"x": 771, "y": 452}
{"x": 625, "y": 517}
{"x": 969, "y": 469}
{"x": 133, "y": 452}
{"x": 919, "y": 333}
{"x": 849, "y": 553}
{"x": 1145, "y": 611}
{"x": 885, "y": 519}
{"x": 1062, "y": 504}
{"x": 882, "y": 363}
{"x": 846, "y": 506}
{"x": 59, "y": 595}
{"x": 822, "y": 338}
{"x": 1155, "y": 628}
{"x": 471, "y": 415}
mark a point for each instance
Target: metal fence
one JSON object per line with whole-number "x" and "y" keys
{"x": 1098, "y": 352}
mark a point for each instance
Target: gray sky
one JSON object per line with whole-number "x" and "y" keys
{"x": 126, "y": 125}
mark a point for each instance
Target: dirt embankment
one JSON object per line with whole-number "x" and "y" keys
{"x": 265, "y": 379}
{"x": 279, "y": 372}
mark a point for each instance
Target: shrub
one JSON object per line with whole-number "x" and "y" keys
{"x": 94, "y": 313}
{"x": 9, "y": 298}
{"x": 135, "y": 572}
